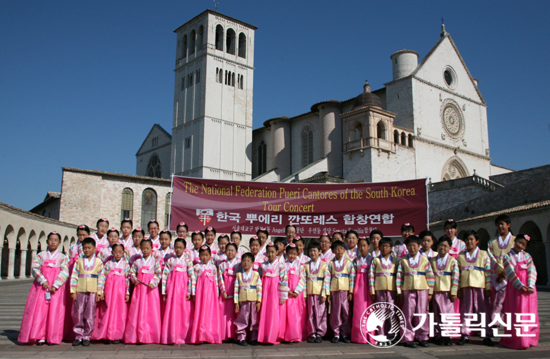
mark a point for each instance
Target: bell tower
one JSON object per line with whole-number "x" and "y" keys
{"x": 214, "y": 82}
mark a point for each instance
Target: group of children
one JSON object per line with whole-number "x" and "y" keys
{"x": 120, "y": 286}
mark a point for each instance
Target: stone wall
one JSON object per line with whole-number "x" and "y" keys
{"x": 90, "y": 195}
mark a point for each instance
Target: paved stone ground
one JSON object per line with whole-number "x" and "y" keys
{"x": 12, "y": 302}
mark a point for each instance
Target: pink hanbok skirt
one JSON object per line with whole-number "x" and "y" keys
{"x": 178, "y": 314}
{"x": 227, "y": 309}
{"x": 206, "y": 322}
{"x": 143, "y": 324}
{"x": 361, "y": 301}
{"x": 112, "y": 314}
{"x": 43, "y": 321}
{"x": 268, "y": 328}
{"x": 515, "y": 303}
{"x": 291, "y": 314}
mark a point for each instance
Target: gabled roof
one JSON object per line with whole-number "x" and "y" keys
{"x": 156, "y": 125}
{"x": 431, "y": 52}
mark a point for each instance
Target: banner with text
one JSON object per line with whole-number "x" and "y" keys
{"x": 312, "y": 208}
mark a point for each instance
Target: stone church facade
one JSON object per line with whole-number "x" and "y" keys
{"x": 429, "y": 121}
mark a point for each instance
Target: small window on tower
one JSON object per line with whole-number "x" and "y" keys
{"x": 188, "y": 142}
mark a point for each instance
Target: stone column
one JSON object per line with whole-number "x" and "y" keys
{"x": 23, "y": 267}
{"x": 11, "y": 262}
{"x": 280, "y": 142}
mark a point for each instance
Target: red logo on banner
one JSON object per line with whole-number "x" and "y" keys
{"x": 205, "y": 215}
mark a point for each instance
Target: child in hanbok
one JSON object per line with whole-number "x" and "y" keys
{"x": 352, "y": 238}
{"x": 325, "y": 242}
{"x": 316, "y": 271}
{"x": 458, "y": 246}
{"x": 209, "y": 240}
{"x": 361, "y": 298}
{"x": 113, "y": 236}
{"x": 236, "y": 237}
{"x": 521, "y": 295}
{"x": 375, "y": 237}
{"x": 248, "y": 301}
{"x": 497, "y": 248}
{"x": 45, "y": 308}
{"x": 176, "y": 293}
{"x": 165, "y": 251}
{"x": 153, "y": 227}
{"x": 144, "y": 322}
{"x": 75, "y": 251}
{"x": 337, "y": 236}
{"x": 126, "y": 240}
{"x": 255, "y": 248}
{"x": 427, "y": 240}
{"x": 85, "y": 285}
{"x": 228, "y": 271}
{"x": 205, "y": 287}
{"x": 220, "y": 257}
{"x": 300, "y": 246}
{"x": 280, "y": 244}
{"x": 447, "y": 274}
{"x": 134, "y": 252}
{"x": 475, "y": 285}
{"x": 400, "y": 248}
{"x": 275, "y": 292}
{"x": 111, "y": 317}
{"x": 263, "y": 235}
{"x": 182, "y": 231}
{"x": 292, "y": 311}
{"x": 341, "y": 280}
{"x": 415, "y": 283}
{"x": 197, "y": 238}
{"x": 100, "y": 236}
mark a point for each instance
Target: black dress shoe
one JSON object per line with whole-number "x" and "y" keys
{"x": 254, "y": 342}
{"x": 40, "y": 343}
{"x": 311, "y": 339}
{"x": 77, "y": 343}
{"x": 487, "y": 341}
{"x": 49, "y": 344}
{"x": 85, "y": 343}
{"x": 335, "y": 340}
{"x": 318, "y": 340}
{"x": 346, "y": 340}
{"x": 463, "y": 340}
{"x": 243, "y": 343}
{"x": 116, "y": 342}
{"x": 424, "y": 343}
{"x": 410, "y": 345}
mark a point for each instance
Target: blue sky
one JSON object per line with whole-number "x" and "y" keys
{"x": 82, "y": 82}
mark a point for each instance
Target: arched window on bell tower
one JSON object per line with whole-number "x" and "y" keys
{"x": 230, "y": 42}
{"x": 219, "y": 37}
